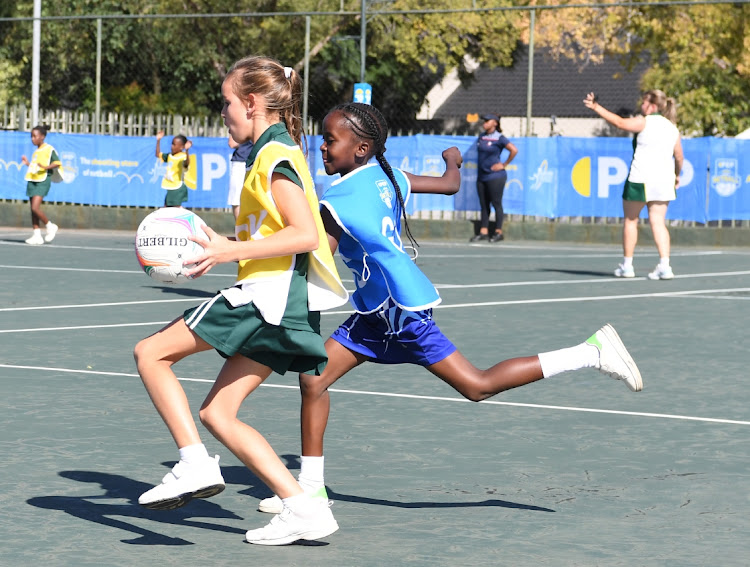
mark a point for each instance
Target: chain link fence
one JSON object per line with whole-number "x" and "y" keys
{"x": 114, "y": 69}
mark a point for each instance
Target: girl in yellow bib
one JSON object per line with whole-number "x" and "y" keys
{"x": 39, "y": 178}
{"x": 268, "y": 321}
{"x": 178, "y": 162}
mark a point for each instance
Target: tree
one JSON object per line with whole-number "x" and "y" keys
{"x": 176, "y": 64}
{"x": 697, "y": 53}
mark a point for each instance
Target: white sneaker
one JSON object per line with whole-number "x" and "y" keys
{"x": 289, "y": 526}
{"x": 614, "y": 359}
{"x": 622, "y": 271}
{"x": 274, "y": 505}
{"x": 36, "y": 239}
{"x": 51, "y": 232}
{"x": 661, "y": 273}
{"x": 183, "y": 483}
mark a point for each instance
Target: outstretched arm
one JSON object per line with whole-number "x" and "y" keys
{"x": 188, "y": 145}
{"x": 448, "y": 184}
{"x": 159, "y": 136}
{"x": 633, "y": 124}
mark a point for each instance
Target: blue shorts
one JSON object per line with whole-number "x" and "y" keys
{"x": 395, "y": 336}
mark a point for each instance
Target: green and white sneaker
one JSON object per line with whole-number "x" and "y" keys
{"x": 614, "y": 358}
{"x": 274, "y": 505}
{"x": 290, "y": 526}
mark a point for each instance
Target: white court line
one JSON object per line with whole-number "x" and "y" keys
{"x": 579, "y": 255}
{"x": 81, "y": 327}
{"x": 591, "y": 298}
{"x": 592, "y": 280}
{"x": 491, "y": 250}
{"x": 724, "y": 297}
{"x": 97, "y": 270}
{"x": 415, "y": 397}
{"x": 58, "y": 246}
{"x": 111, "y": 304}
{"x": 439, "y": 286}
{"x": 442, "y": 306}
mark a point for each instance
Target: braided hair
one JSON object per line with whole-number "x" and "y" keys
{"x": 368, "y": 123}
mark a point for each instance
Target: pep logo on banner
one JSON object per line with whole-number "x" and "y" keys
{"x": 609, "y": 171}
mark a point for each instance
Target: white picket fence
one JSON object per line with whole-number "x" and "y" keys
{"x": 113, "y": 123}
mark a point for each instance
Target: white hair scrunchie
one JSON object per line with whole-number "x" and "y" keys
{"x": 288, "y": 72}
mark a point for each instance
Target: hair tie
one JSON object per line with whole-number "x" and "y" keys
{"x": 288, "y": 72}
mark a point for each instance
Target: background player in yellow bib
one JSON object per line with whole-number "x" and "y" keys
{"x": 178, "y": 163}
{"x": 39, "y": 177}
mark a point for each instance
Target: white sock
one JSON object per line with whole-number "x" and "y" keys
{"x": 584, "y": 355}
{"x": 311, "y": 472}
{"x": 302, "y": 505}
{"x": 37, "y": 231}
{"x": 664, "y": 262}
{"x": 193, "y": 453}
{"x": 627, "y": 262}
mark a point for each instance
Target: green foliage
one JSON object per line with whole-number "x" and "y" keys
{"x": 700, "y": 54}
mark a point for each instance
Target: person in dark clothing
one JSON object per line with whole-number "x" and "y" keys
{"x": 491, "y": 175}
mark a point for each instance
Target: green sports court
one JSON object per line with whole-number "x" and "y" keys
{"x": 575, "y": 470}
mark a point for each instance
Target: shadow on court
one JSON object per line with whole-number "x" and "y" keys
{"x": 410, "y": 505}
{"x": 577, "y": 272}
{"x": 183, "y": 291}
{"x": 95, "y": 508}
{"x": 100, "y": 508}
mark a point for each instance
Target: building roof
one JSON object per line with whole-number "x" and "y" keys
{"x": 558, "y": 89}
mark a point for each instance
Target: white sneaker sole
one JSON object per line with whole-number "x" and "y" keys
{"x": 615, "y": 342}
{"x": 653, "y": 276}
{"x": 318, "y": 533}
{"x": 181, "y": 499}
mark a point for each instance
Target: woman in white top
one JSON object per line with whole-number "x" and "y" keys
{"x": 654, "y": 175}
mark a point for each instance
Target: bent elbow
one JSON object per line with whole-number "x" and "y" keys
{"x": 310, "y": 242}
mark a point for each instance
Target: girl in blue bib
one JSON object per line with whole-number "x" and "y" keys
{"x": 393, "y": 300}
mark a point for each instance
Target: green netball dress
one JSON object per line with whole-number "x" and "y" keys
{"x": 272, "y": 313}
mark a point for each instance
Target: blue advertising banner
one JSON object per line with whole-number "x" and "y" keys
{"x": 728, "y": 179}
{"x": 690, "y": 203}
{"x": 550, "y": 177}
{"x": 533, "y": 178}
{"x": 115, "y": 170}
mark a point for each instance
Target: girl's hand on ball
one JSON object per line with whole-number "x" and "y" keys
{"x": 216, "y": 250}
